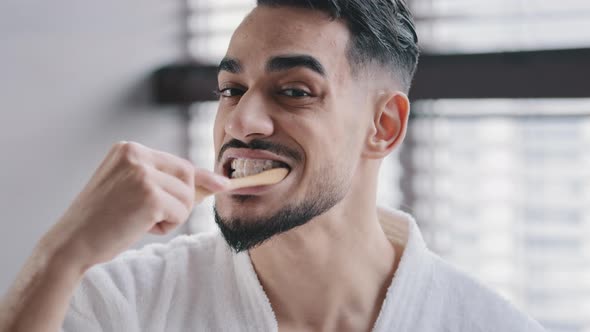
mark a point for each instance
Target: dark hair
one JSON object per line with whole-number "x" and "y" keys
{"x": 382, "y": 31}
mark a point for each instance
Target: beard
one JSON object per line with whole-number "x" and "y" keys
{"x": 243, "y": 234}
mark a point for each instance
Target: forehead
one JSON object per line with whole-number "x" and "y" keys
{"x": 274, "y": 31}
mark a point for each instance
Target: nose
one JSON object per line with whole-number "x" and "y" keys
{"x": 249, "y": 119}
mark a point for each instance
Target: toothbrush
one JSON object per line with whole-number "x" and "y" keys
{"x": 271, "y": 176}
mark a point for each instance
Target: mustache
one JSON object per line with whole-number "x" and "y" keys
{"x": 257, "y": 144}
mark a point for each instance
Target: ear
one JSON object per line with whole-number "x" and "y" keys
{"x": 389, "y": 125}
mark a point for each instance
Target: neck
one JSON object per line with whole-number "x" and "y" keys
{"x": 333, "y": 272}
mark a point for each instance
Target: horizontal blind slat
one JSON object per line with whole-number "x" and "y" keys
{"x": 472, "y": 26}
{"x": 211, "y": 24}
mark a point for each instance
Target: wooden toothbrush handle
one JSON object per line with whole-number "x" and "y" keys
{"x": 268, "y": 177}
{"x": 200, "y": 194}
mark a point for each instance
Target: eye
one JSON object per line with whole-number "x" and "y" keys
{"x": 229, "y": 92}
{"x": 295, "y": 93}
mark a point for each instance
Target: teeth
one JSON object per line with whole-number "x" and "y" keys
{"x": 247, "y": 167}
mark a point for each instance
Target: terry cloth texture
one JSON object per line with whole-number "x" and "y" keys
{"x": 196, "y": 283}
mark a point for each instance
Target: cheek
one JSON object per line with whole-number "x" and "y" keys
{"x": 218, "y": 130}
{"x": 349, "y": 133}
{"x": 346, "y": 147}
{"x": 328, "y": 151}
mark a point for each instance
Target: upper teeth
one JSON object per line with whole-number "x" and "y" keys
{"x": 247, "y": 167}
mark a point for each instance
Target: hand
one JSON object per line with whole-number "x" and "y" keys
{"x": 134, "y": 190}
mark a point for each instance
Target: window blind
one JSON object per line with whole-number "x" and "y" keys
{"x": 452, "y": 26}
{"x": 502, "y": 187}
{"x": 211, "y": 24}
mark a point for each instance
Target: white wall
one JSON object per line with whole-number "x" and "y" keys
{"x": 72, "y": 82}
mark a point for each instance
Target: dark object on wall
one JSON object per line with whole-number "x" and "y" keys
{"x": 535, "y": 74}
{"x": 185, "y": 83}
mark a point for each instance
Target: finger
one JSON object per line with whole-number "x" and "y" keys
{"x": 211, "y": 181}
{"x": 109, "y": 161}
{"x": 174, "y": 214}
{"x": 173, "y": 165}
{"x": 162, "y": 228}
{"x": 201, "y": 193}
{"x": 176, "y": 187}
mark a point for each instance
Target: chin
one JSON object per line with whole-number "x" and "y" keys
{"x": 243, "y": 206}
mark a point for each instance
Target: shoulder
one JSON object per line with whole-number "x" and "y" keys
{"x": 143, "y": 267}
{"x": 471, "y": 306}
{"x": 190, "y": 244}
{"x": 429, "y": 294}
{"x": 128, "y": 288}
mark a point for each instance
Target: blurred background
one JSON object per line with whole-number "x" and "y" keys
{"x": 495, "y": 168}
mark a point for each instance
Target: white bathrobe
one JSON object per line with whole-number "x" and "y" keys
{"x": 196, "y": 283}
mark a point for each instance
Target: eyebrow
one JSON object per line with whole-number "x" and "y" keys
{"x": 229, "y": 64}
{"x": 286, "y": 62}
{"x": 277, "y": 63}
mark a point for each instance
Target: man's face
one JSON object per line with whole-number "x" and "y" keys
{"x": 287, "y": 95}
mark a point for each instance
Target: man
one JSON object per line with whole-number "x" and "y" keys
{"x": 319, "y": 88}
